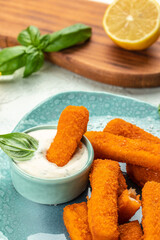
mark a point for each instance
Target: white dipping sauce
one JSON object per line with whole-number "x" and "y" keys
{"x": 40, "y": 167}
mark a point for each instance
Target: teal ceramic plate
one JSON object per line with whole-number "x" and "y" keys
{"x": 21, "y": 219}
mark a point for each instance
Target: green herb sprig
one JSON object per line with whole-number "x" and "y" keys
{"x": 31, "y": 54}
{"x": 159, "y": 109}
{"x": 18, "y": 146}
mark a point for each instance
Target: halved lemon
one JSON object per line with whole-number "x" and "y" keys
{"x": 133, "y": 24}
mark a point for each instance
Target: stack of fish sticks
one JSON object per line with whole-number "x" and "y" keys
{"x": 139, "y": 175}
{"x": 106, "y": 214}
{"x": 99, "y": 218}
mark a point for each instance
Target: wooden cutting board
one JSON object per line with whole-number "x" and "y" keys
{"x": 99, "y": 59}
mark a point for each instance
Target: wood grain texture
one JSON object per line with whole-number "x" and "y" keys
{"x": 99, "y": 59}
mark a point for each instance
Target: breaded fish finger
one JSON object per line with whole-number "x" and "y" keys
{"x": 130, "y": 231}
{"x": 102, "y": 206}
{"x": 128, "y": 204}
{"x": 71, "y": 127}
{"x": 75, "y": 218}
{"x": 151, "y": 210}
{"x": 120, "y": 127}
{"x": 122, "y": 183}
{"x": 118, "y": 148}
{"x": 141, "y": 175}
{"x": 138, "y": 174}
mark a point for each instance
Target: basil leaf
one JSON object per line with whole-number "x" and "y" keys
{"x": 44, "y": 41}
{"x": 18, "y": 146}
{"x": 159, "y": 109}
{"x": 34, "y": 61}
{"x": 11, "y": 52}
{"x": 31, "y": 49}
{"x": 11, "y": 59}
{"x": 29, "y": 36}
{"x": 68, "y": 37}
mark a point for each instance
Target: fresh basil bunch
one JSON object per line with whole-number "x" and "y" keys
{"x": 31, "y": 54}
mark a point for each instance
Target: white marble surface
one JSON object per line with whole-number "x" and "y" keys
{"x": 20, "y": 96}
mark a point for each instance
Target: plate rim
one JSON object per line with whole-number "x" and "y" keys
{"x": 88, "y": 92}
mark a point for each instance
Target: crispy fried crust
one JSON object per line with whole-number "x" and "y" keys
{"x": 151, "y": 210}
{"x": 71, "y": 127}
{"x": 130, "y": 231}
{"x": 132, "y": 151}
{"x": 122, "y": 183}
{"x": 76, "y": 215}
{"x": 128, "y": 204}
{"x": 75, "y": 218}
{"x": 102, "y": 206}
{"x": 128, "y": 201}
{"x": 141, "y": 175}
{"x": 120, "y": 127}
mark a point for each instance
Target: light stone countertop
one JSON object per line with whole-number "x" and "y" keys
{"x": 19, "y": 97}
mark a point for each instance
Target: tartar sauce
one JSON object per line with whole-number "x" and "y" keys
{"x": 40, "y": 167}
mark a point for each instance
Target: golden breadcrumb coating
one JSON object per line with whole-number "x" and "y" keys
{"x": 141, "y": 175}
{"x": 151, "y": 210}
{"x": 118, "y": 148}
{"x": 122, "y": 183}
{"x": 75, "y": 218}
{"x": 102, "y": 206}
{"x": 119, "y": 127}
{"x": 71, "y": 127}
{"x": 128, "y": 204}
{"x": 76, "y": 215}
{"x": 130, "y": 231}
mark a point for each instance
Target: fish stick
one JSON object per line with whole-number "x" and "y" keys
{"x": 75, "y": 218}
{"x": 71, "y": 127}
{"x": 118, "y": 148}
{"x": 102, "y": 206}
{"x": 128, "y": 204}
{"x": 77, "y": 215}
{"x": 120, "y": 127}
{"x": 122, "y": 183}
{"x": 139, "y": 175}
{"x": 128, "y": 201}
{"x": 151, "y": 210}
{"x": 130, "y": 231}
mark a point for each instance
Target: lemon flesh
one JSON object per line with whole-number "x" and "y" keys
{"x": 133, "y": 24}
